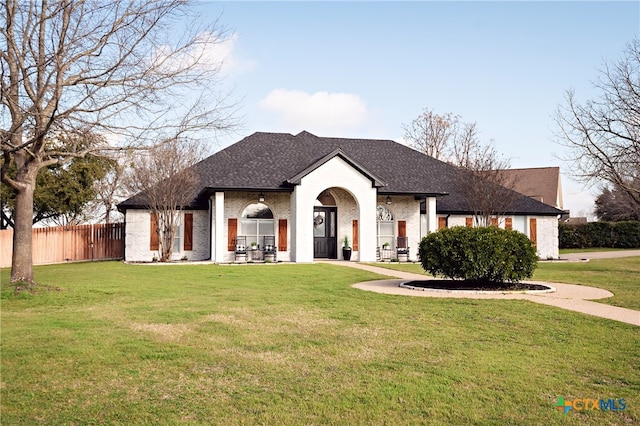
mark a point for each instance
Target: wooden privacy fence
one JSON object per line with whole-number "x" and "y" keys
{"x": 69, "y": 243}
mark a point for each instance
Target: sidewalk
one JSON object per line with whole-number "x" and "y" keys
{"x": 567, "y": 296}
{"x": 600, "y": 255}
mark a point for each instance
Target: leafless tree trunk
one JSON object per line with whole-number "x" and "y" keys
{"x": 603, "y": 135}
{"x": 113, "y": 68}
{"x": 165, "y": 183}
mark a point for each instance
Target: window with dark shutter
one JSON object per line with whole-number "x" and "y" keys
{"x": 354, "y": 227}
{"x": 442, "y": 222}
{"x": 232, "y": 233}
{"x": 533, "y": 231}
{"x": 282, "y": 235}
{"x": 154, "y": 243}
{"x": 188, "y": 231}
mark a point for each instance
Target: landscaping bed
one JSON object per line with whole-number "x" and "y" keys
{"x": 466, "y": 285}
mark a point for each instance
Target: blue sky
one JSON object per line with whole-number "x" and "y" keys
{"x": 363, "y": 69}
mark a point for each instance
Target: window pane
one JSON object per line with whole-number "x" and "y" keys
{"x": 265, "y": 227}
{"x": 319, "y": 224}
{"x": 333, "y": 225}
{"x": 248, "y": 227}
{"x": 176, "y": 240}
{"x": 257, "y": 211}
{"x": 386, "y": 228}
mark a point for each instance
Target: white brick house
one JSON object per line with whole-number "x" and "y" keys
{"x": 307, "y": 193}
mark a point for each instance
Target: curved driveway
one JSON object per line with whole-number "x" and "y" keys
{"x": 568, "y": 296}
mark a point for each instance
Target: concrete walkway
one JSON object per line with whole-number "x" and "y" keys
{"x": 600, "y": 255}
{"x": 567, "y": 296}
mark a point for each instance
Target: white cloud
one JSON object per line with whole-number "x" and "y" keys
{"x": 225, "y": 53}
{"x": 323, "y": 113}
{"x": 208, "y": 52}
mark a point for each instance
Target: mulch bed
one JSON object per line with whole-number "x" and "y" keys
{"x": 474, "y": 285}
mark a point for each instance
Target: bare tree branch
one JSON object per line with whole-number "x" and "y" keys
{"x": 602, "y": 135}
{"x": 131, "y": 71}
{"x": 481, "y": 183}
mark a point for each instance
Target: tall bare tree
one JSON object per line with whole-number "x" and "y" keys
{"x": 481, "y": 182}
{"x": 126, "y": 70}
{"x": 603, "y": 134}
{"x": 484, "y": 185}
{"x": 433, "y": 134}
{"x": 165, "y": 183}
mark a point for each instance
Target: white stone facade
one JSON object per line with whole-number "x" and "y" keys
{"x": 138, "y": 237}
{"x": 546, "y": 231}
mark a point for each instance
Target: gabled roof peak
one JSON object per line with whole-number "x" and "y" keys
{"x": 304, "y": 133}
{"x": 338, "y": 152}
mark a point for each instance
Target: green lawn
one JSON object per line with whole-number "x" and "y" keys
{"x": 296, "y": 344}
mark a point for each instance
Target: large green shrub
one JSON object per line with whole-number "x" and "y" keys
{"x": 627, "y": 234}
{"x": 600, "y": 234}
{"x": 483, "y": 255}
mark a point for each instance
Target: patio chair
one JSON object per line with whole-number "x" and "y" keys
{"x": 241, "y": 248}
{"x": 269, "y": 247}
{"x": 402, "y": 249}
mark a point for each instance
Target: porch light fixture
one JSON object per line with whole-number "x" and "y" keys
{"x": 388, "y": 199}
{"x": 261, "y": 197}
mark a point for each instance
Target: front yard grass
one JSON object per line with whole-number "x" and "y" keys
{"x": 296, "y": 344}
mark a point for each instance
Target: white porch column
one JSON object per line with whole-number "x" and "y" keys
{"x": 368, "y": 231}
{"x": 301, "y": 225}
{"x": 432, "y": 219}
{"x": 219, "y": 245}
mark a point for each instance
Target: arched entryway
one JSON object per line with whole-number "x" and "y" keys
{"x": 325, "y": 226}
{"x": 335, "y": 216}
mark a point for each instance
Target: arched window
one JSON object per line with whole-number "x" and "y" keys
{"x": 256, "y": 222}
{"x": 385, "y": 226}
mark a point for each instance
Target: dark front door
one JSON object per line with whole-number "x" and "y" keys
{"x": 325, "y": 244}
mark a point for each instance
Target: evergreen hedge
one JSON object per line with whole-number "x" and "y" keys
{"x": 600, "y": 234}
{"x": 484, "y": 255}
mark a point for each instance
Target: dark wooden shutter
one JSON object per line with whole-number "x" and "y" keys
{"x": 533, "y": 231}
{"x": 494, "y": 221}
{"x": 508, "y": 223}
{"x": 442, "y": 222}
{"x": 232, "y": 234}
{"x": 282, "y": 235}
{"x": 468, "y": 222}
{"x": 402, "y": 228}
{"x": 188, "y": 231}
{"x": 154, "y": 243}
{"x": 354, "y": 227}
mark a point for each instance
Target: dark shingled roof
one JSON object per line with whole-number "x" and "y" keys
{"x": 539, "y": 183}
{"x": 270, "y": 161}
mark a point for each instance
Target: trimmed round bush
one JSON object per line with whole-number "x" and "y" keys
{"x": 484, "y": 255}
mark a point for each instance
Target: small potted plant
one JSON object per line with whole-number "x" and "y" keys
{"x": 346, "y": 249}
{"x": 385, "y": 246}
{"x": 254, "y": 246}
